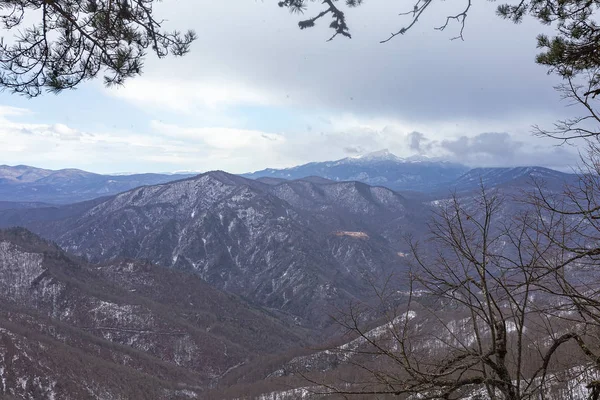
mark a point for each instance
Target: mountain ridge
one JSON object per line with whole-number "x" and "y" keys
{"x": 412, "y": 174}
{"x": 23, "y": 183}
{"x": 31, "y": 185}
{"x": 276, "y": 245}
{"x": 378, "y": 168}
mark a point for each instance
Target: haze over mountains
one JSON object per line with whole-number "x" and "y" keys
{"x": 379, "y": 168}
{"x": 185, "y": 285}
{"x": 29, "y": 186}
{"x": 22, "y": 183}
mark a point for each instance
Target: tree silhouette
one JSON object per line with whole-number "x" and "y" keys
{"x": 75, "y": 40}
{"x": 481, "y": 316}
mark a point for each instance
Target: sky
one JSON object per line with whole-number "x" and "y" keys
{"x": 255, "y": 92}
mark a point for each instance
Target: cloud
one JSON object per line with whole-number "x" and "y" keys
{"x": 458, "y": 143}
{"x": 161, "y": 148}
{"x": 260, "y": 57}
{"x": 221, "y": 138}
{"x": 7, "y": 111}
{"x": 256, "y": 92}
{"x": 353, "y": 150}
{"x": 176, "y": 146}
{"x": 494, "y": 144}
{"x": 502, "y": 149}
{"x": 189, "y": 96}
{"x": 63, "y": 132}
{"x": 416, "y": 141}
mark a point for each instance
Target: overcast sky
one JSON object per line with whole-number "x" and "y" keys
{"x": 257, "y": 92}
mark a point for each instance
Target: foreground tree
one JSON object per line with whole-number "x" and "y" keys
{"x": 571, "y": 52}
{"x": 75, "y": 40}
{"x": 570, "y": 222}
{"x": 481, "y": 319}
{"x": 554, "y": 256}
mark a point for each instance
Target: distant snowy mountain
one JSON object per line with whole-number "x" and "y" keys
{"x": 380, "y": 168}
{"x": 23, "y": 183}
{"x": 418, "y": 173}
{"x": 23, "y": 186}
{"x": 381, "y": 155}
{"x": 512, "y": 178}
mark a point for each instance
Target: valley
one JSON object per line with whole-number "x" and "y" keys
{"x": 221, "y": 286}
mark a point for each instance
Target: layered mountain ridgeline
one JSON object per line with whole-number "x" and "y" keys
{"x": 22, "y": 183}
{"x": 299, "y": 249}
{"x": 378, "y": 168}
{"x": 278, "y": 245}
{"x": 511, "y": 179}
{"x": 126, "y": 329}
{"x": 24, "y": 186}
{"x": 434, "y": 177}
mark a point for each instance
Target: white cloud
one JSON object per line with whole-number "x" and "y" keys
{"x": 188, "y": 96}
{"x": 6, "y": 111}
{"x": 221, "y": 138}
{"x": 470, "y": 142}
{"x": 258, "y": 56}
{"x": 253, "y": 82}
{"x": 163, "y": 147}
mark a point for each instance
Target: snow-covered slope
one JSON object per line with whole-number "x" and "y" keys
{"x": 278, "y": 245}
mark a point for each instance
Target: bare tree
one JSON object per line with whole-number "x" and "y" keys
{"x": 74, "y": 40}
{"x": 569, "y": 221}
{"x": 478, "y": 318}
{"x": 576, "y": 29}
{"x": 571, "y": 52}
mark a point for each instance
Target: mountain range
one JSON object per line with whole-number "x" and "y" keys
{"x": 379, "y": 168}
{"x": 295, "y": 247}
{"x": 418, "y": 173}
{"x": 23, "y": 183}
{"x": 24, "y": 186}
{"x": 183, "y": 287}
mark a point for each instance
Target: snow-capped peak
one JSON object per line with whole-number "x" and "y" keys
{"x": 380, "y": 155}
